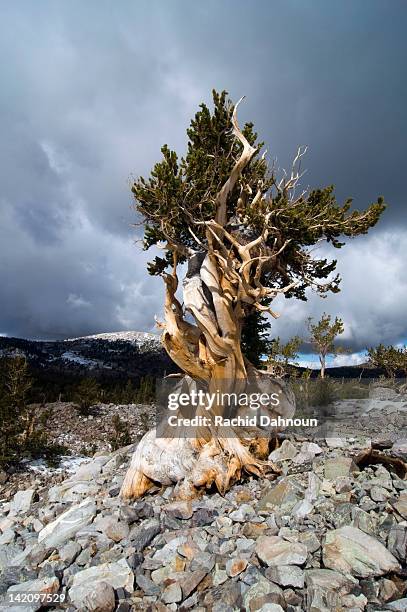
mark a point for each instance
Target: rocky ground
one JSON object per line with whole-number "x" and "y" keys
{"x": 329, "y": 534}
{"x": 81, "y": 436}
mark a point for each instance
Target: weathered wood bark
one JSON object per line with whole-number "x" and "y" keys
{"x": 209, "y": 353}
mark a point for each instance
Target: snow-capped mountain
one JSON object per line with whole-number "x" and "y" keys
{"x": 115, "y": 355}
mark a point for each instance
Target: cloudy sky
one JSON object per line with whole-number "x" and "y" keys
{"x": 91, "y": 90}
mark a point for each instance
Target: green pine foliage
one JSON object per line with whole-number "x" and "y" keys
{"x": 88, "y": 393}
{"x": 255, "y": 342}
{"x": 180, "y": 192}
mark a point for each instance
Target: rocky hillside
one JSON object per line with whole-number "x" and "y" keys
{"x": 328, "y": 534}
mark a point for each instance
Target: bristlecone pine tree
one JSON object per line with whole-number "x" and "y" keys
{"x": 322, "y": 337}
{"x": 245, "y": 236}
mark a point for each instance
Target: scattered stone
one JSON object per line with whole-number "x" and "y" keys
{"x": 339, "y": 467}
{"x": 283, "y": 495}
{"x": 273, "y": 550}
{"x": 41, "y": 586}
{"x": 334, "y": 442}
{"x": 117, "y": 575}
{"x": 286, "y": 451}
{"x": 180, "y": 510}
{"x": 100, "y": 599}
{"x": 112, "y": 528}
{"x": 235, "y": 566}
{"x": 22, "y": 501}
{"x": 69, "y": 552}
{"x": 378, "y": 494}
{"x": 147, "y": 585}
{"x": 68, "y": 524}
{"x": 351, "y": 551}
{"x": 172, "y": 593}
{"x": 286, "y": 575}
{"x": 400, "y": 505}
{"x": 326, "y": 589}
{"x": 398, "y": 606}
{"x": 142, "y": 535}
{"x": 191, "y": 581}
{"x": 242, "y": 513}
{"x": 397, "y": 541}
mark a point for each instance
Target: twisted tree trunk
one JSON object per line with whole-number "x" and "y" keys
{"x": 223, "y": 284}
{"x": 208, "y": 352}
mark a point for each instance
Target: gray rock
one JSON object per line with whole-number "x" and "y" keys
{"x": 7, "y": 553}
{"x": 7, "y": 537}
{"x": 14, "y": 575}
{"x": 302, "y": 508}
{"x": 43, "y": 585}
{"x": 339, "y": 467}
{"x": 261, "y": 588}
{"x": 179, "y": 510}
{"x": 142, "y": 535}
{"x": 22, "y": 501}
{"x": 351, "y": 551}
{"x": 397, "y": 541}
{"x": 335, "y": 442}
{"x": 400, "y": 605}
{"x": 378, "y": 494}
{"x": 286, "y": 575}
{"x": 72, "y": 491}
{"x": 100, "y": 599}
{"x": 172, "y": 593}
{"x": 242, "y": 514}
{"x": 283, "y": 495}
{"x": 117, "y": 575}
{"x": 235, "y": 566}
{"x": 165, "y": 554}
{"x": 69, "y": 552}
{"x": 112, "y": 528}
{"x": 286, "y": 451}
{"x": 273, "y": 550}
{"x": 147, "y": 585}
{"x": 399, "y": 449}
{"x": 310, "y": 540}
{"x": 191, "y": 581}
{"x": 400, "y": 505}
{"x": 383, "y": 393}
{"x": 326, "y": 588}
{"x": 364, "y": 521}
{"x": 68, "y": 524}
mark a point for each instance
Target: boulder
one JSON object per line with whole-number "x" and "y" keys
{"x": 273, "y": 550}
{"x": 117, "y": 575}
{"x": 100, "y": 598}
{"x": 351, "y": 551}
{"x": 284, "y": 495}
{"x": 326, "y": 588}
{"x": 42, "y": 585}
{"x": 22, "y": 501}
{"x": 286, "y": 575}
{"x": 68, "y": 524}
{"x": 339, "y": 467}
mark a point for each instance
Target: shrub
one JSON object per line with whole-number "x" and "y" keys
{"x": 87, "y": 395}
{"x": 121, "y": 433}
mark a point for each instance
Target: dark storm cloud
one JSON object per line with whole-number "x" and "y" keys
{"x": 90, "y": 91}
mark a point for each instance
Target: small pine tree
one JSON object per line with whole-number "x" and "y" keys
{"x": 282, "y": 354}
{"x": 146, "y": 391}
{"x": 121, "y": 433}
{"x": 87, "y": 395}
{"x": 387, "y": 358}
{"x": 322, "y": 337}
